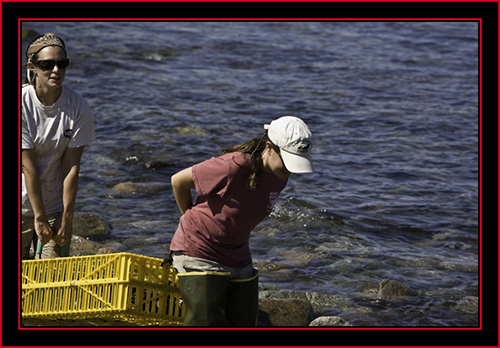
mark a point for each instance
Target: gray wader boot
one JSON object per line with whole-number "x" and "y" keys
{"x": 204, "y": 295}
{"x": 242, "y": 305}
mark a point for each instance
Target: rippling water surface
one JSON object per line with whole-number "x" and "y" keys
{"x": 393, "y": 107}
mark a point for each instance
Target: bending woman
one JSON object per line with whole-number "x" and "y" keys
{"x": 56, "y": 125}
{"x": 235, "y": 192}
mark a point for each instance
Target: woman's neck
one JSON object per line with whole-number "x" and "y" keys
{"x": 48, "y": 96}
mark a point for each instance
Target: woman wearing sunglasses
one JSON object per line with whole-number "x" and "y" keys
{"x": 56, "y": 125}
{"x": 235, "y": 192}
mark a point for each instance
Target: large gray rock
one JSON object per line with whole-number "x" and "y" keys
{"x": 321, "y": 303}
{"x": 390, "y": 290}
{"x": 284, "y": 312}
{"x": 81, "y": 246}
{"x": 132, "y": 188}
{"x": 87, "y": 224}
{"x": 469, "y": 304}
{"x": 329, "y": 321}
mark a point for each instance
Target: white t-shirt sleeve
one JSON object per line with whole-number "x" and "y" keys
{"x": 26, "y": 140}
{"x": 83, "y": 129}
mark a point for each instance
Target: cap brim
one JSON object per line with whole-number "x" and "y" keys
{"x": 296, "y": 164}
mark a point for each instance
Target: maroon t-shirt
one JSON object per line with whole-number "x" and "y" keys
{"x": 218, "y": 226}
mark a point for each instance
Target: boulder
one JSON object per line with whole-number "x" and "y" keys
{"x": 156, "y": 164}
{"x": 284, "y": 312}
{"x": 81, "y": 246}
{"x": 87, "y": 224}
{"x": 190, "y": 130}
{"x": 469, "y": 304}
{"x": 106, "y": 250}
{"x": 389, "y": 290}
{"x": 329, "y": 321}
{"x": 321, "y": 303}
{"x": 132, "y": 188}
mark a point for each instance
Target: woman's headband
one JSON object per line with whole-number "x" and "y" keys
{"x": 41, "y": 42}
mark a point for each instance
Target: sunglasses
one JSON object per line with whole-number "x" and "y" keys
{"x": 50, "y": 64}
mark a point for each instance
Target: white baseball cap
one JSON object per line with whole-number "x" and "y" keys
{"x": 294, "y": 139}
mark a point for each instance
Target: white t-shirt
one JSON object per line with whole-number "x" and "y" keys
{"x": 50, "y": 130}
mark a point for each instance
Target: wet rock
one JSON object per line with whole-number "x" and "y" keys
{"x": 284, "y": 312}
{"x": 156, "y": 164}
{"x": 106, "y": 250}
{"x": 358, "y": 316}
{"x": 191, "y": 130}
{"x": 390, "y": 290}
{"x": 132, "y": 188}
{"x": 86, "y": 224}
{"x": 281, "y": 294}
{"x": 320, "y": 303}
{"x": 468, "y": 304}
{"x": 300, "y": 259}
{"x": 329, "y": 321}
{"x": 81, "y": 246}
{"x": 324, "y": 303}
{"x": 114, "y": 244}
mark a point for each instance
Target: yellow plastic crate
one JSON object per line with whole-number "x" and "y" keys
{"x": 111, "y": 289}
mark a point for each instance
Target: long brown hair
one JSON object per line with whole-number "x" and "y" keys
{"x": 254, "y": 148}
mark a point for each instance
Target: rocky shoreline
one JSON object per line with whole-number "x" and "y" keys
{"x": 277, "y": 307}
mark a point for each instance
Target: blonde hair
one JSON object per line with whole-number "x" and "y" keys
{"x": 38, "y": 44}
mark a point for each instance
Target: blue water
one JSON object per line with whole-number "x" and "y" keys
{"x": 393, "y": 107}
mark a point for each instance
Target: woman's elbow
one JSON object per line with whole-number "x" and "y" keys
{"x": 29, "y": 170}
{"x": 174, "y": 180}
{"x": 182, "y": 179}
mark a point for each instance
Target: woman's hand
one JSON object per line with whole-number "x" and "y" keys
{"x": 43, "y": 230}
{"x": 62, "y": 228}
{"x": 34, "y": 188}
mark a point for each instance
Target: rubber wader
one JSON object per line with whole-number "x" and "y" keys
{"x": 242, "y": 306}
{"x": 204, "y": 295}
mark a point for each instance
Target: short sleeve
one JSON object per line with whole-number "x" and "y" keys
{"x": 27, "y": 140}
{"x": 211, "y": 177}
{"x": 83, "y": 130}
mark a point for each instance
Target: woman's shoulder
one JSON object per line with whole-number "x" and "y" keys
{"x": 74, "y": 98}
{"x": 237, "y": 158}
{"x": 70, "y": 92}
{"x": 238, "y": 163}
{"x": 29, "y": 99}
{"x": 228, "y": 163}
{"x": 27, "y": 89}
